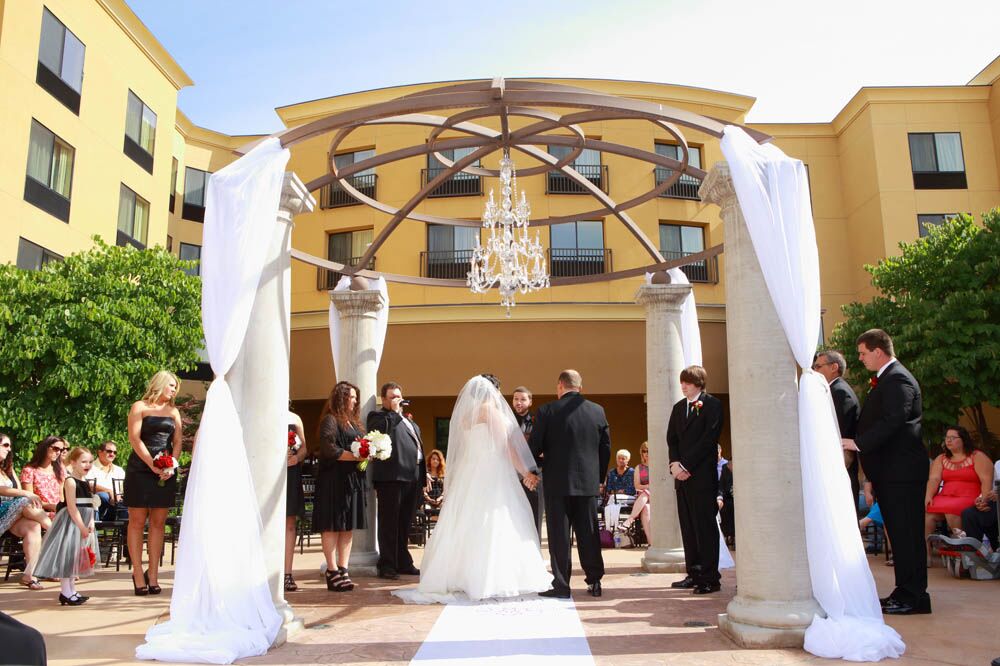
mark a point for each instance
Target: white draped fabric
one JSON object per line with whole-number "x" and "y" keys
{"x": 381, "y": 322}
{"x": 690, "y": 331}
{"x": 221, "y": 608}
{"x": 772, "y": 190}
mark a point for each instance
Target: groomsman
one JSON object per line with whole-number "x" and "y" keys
{"x": 895, "y": 461}
{"x": 521, "y": 403}
{"x": 692, "y": 432}
{"x": 832, "y": 364}
{"x": 398, "y": 483}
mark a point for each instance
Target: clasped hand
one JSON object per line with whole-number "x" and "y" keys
{"x": 530, "y": 481}
{"x": 679, "y": 472}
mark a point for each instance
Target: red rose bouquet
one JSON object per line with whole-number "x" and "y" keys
{"x": 373, "y": 446}
{"x": 165, "y": 461}
{"x": 294, "y": 443}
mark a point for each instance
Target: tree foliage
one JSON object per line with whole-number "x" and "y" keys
{"x": 938, "y": 300}
{"x": 80, "y": 338}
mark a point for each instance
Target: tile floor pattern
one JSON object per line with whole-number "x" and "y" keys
{"x": 638, "y": 621}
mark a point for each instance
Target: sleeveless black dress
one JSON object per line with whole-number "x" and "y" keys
{"x": 340, "y": 501}
{"x": 295, "y": 498}
{"x": 142, "y": 489}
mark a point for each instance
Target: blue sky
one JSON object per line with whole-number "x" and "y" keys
{"x": 802, "y": 63}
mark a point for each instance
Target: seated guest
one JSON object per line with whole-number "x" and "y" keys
{"x": 21, "y": 513}
{"x": 621, "y": 478}
{"x": 434, "y": 488}
{"x": 980, "y": 519}
{"x": 967, "y": 473}
{"x": 44, "y": 473}
{"x": 101, "y": 476}
{"x": 640, "y": 509}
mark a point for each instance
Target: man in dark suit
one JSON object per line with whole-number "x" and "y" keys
{"x": 521, "y": 404}
{"x": 572, "y": 436}
{"x": 398, "y": 483}
{"x": 895, "y": 461}
{"x": 692, "y": 432}
{"x": 832, "y": 364}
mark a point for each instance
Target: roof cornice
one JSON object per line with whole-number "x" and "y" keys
{"x": 151, "y": 47}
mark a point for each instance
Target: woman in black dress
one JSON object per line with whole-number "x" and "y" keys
{"x": 154, "y": 427}
{"x": 340, "y": 503}
{"x": 295, "y": 500}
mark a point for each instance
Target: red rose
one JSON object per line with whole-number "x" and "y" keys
{"x": 409, "y": 416}
{"x": 365, "y": 450}
{"x": 291, "y": 438}
{"x": 91, "y": 556}
{"x": 873, "y": 382}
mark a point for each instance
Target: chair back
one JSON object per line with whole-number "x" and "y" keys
{"x": 118, "y": 486}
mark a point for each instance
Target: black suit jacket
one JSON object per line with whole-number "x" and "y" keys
{"x": 572, "y": 436}
{"x": 692, "y": 441}
{"x": 402, "y": 465}
{"x": 889, "y": 434}
{"x": 845, "y": 403}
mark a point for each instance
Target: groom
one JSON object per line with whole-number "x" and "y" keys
{"x": 572, "y": 435}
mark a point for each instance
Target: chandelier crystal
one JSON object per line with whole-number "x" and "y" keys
{"x": 510, "y": 259}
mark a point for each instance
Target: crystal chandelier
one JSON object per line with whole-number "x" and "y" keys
{"x": 510, "y": 259}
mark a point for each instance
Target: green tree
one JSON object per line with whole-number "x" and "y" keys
{"x": 80, "y": 338}
{"x": 938, "y": 300}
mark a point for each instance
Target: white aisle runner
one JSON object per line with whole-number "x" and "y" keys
{"x": 506, "y": 632}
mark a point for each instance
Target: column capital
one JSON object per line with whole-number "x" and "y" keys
{"x": 665, "y": 296}
{"x": 357, "y": 303}
{"x": 718, "y": 188}
{"x": 295, "y": 198}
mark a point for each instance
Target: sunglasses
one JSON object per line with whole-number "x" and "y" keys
{"x": 57, "y": 448}
{"x": 5, "y": 445}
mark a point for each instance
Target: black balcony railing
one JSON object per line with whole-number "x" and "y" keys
{"x": 560, "y": 183}
{"x": 573, "y": 262}
{"x": 686, "y": 186}
{"x": 446, "y": 264}
{"x": 327, "y": 279}
{"x": 703, "y": 270}
{"x": 459, "y": 185}
{"x": 335, "y": 196}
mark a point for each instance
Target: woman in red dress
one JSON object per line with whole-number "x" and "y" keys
{"x": 966, "y": 472}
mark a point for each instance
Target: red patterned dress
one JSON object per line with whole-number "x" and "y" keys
{"x": 961, "y": 486}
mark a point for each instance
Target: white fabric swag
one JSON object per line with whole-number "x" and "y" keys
{"x": 690, "y": 331}
{"x": 773, "y": 193}
{"x": 221, "y": 608}
{"x": 381, "y": 326}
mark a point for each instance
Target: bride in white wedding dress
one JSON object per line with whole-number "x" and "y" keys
{"x": 485, "y": 544}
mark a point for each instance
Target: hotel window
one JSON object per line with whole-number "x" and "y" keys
{"x": 32, "y": 257}
{"x": 191, "y": 252}
{"x": 50, "y": 172}
{"x": 133, "y": 219}
{"x": 681, "y": 240}
{"x": 346, "y": 247}
{"x": 170, "y": 243}
{"x": 933, "y": 220}
{"x": 363, "y": 181}
{"x": 60, "y": 62}
{"x": 458, "y": 184}
{"x": 140, "y": 132}
{"x": 686, "y": 186}
{"x": 577, "y": 248}
{"x": 449, "y": 251}
{"x": 173, "y": 183}
{"x": 937, "y": 161}
{"x": 587, "y": 164}
{"x": 195, "y": 181}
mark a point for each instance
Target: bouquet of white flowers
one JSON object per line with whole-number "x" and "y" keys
{"x": 373, "y": 446}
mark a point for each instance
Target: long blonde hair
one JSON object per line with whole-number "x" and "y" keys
{"x": 158, "y": 384}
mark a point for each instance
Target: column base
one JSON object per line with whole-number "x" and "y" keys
{"x": 363, "y": 563}
{"x": 290, "y": 625}
{"x": 664, "y": 560}
{"x": 768, "y": 624}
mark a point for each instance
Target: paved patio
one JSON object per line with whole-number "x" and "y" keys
{"x": 638, "y": 621}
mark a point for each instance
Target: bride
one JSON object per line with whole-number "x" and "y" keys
{"x": 485, "y": 544}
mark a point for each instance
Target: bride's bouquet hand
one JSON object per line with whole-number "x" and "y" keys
{"x": 530, "y": 481}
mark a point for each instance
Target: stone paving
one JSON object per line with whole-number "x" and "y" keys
{"x": 638, "y": 621}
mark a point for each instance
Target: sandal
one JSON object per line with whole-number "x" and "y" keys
{"x": 345, "y": 584}
{"x": 290, "y": 585}
{"x": 153, "y": 589}
{"x": 33, "y": 584}
{"x": 332, "y": 579}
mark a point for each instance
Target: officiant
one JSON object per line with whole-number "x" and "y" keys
{"x": 521, "y": 403}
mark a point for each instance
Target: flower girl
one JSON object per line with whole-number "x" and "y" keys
{"x": 70, "y": 547}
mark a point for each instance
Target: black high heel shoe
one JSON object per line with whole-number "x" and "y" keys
{"x": 153, "y": 589}
{"x": 75, "y": 600}
{"x": 140, "y": 591}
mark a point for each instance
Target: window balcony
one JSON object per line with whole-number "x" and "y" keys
{"x": 704, "y": 270}
{"x": 446, "y": 264}
{"x": 459, "y": 185}
{"x": 575, "y": 262}
{"x": 686, "y": 186}
{"x": 559, "y": 183}
{"x": 327, "y": 279}
{"x": 335, "y": 196}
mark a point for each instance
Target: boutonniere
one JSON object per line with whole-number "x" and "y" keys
{"x": 697, "y": 406}
{"x": 409, "y": 416}
{"x": 872, "y": 383}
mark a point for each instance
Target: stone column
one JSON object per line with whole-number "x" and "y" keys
{"x": 664, "y": 362}
{"x": 259, "y": 382}
{"x": 357, "y": 308}
{"x": 774, "y": 604}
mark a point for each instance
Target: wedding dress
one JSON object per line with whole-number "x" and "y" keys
{"x": 485, "y": 544}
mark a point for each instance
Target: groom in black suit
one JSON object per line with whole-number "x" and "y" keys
{"x": 692, "y": 433}
{"x": 895, "y": 461}
{"x": 571, "y": 434}
{"x": 398, "y": 483}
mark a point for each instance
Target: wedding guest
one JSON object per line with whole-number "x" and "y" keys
{"x": 692, "y": 432}
{"x": 434, "y": 488}
{"x": 69, "y": 550}
{"x": 621, "y": 477}
{"x": 521, "y": 403}
{"x": 295, "y": 498}
{"x": 339, "y": 506}
{"x": 980, "y": 520}
{"x": 22, "y": 645}
{"x": 966, "y": 473}
{"x": 21, "y": 513}
{"x": 103, "y": 475}
{"x": 398, "y": 483}
{"x": 640, "y": 509}
{"x": 895, "y": 461}
{"x": 44, "y": 473}
{"x": 832, "y": 364}
{"x": 727, "y": 511}
{"x": 154, "y": 430}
